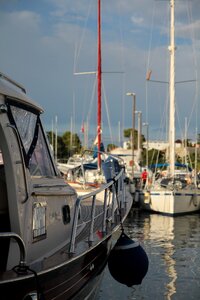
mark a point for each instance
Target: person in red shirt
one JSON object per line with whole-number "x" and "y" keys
{"x": 144, "y": 177}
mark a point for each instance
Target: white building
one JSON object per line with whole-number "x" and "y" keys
{"x": 158, "y": 145}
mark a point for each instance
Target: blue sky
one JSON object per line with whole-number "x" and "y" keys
{"x": 43, "y": 42}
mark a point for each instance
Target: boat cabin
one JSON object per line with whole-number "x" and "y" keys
{"x": 35, "y": 202}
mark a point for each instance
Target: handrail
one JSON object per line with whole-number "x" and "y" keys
{"x": 104, "y": 153}
{"x": 20, "y": 242}
{"x": 116, "y": 181}
{"x": 23, "y": 163}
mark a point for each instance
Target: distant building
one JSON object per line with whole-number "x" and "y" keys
{"x": 163, "y": 146}
{"x": 158, "y": 145}
{"x": 127, "y": 145}
{"x": 179, "y": 147}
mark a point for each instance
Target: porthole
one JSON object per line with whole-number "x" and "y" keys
{"x": 66, "y": 214}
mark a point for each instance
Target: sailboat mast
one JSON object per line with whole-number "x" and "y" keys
{"x": 172, "y": 50}
{"x": 99, "y": 73}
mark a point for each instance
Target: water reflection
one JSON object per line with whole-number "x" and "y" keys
{"x": 173, "y": 249}
{"x": 162, "y": 232}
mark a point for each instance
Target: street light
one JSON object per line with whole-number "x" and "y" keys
{"x": 147, "y": 148}
{"x": 139, "y": 113}
{"x": 133, "y": 128}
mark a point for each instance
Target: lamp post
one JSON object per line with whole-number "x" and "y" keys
{"x": 133, "y": 128}
{"x": 139, "y": 113}
{"x": 147, "y": 148}
{"x": 56, "y": 138}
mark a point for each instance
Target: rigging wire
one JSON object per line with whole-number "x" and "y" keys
{"x": 194, "y": 103}
{"x": 148, "y": 59}
{"x": 196, "y": 76}
{"x": 77, "y": 57}
{"x": 148, "y": 72}
{"x": 77, "y": 52}
{"x": 78, "y": 49}
{"x": 190, "y": 16}
{"x": 107, "y": 112}
{"x": 148, "y": 69}
{"x": 123, "y": 68}
{"x": 91, "y": 105}
{"x": 73, "y": 103}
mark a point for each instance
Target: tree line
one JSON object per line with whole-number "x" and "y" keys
{"x": 69, "y": 143}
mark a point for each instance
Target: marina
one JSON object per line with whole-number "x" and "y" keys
{"x": 84, "y": 216}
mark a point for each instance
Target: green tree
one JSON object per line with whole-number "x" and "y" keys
{"x": 128, "y": 134}
{"x": 191, "y": 161}
{"x": 64, "y": 147}
{"x": 61, "y": 149}
{"x": 73, "y": 148}
{"x": 154, "y": 156}
{"x": 198, "y": 138}
{"x": 111, "y": 147}
{"x": 187, "y": 142}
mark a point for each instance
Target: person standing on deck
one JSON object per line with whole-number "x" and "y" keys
{"x": 144, "y": 177}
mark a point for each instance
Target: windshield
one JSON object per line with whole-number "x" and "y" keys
{"x": 34, "y": 143}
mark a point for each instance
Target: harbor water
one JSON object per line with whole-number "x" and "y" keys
{"x": 173, "y": 248}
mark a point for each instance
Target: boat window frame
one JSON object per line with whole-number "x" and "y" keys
{"x": 38, "y": 126}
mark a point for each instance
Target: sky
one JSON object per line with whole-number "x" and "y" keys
{"x": 45, "y": 42}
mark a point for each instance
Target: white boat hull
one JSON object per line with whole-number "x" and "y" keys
{"x": 171, "y": 202}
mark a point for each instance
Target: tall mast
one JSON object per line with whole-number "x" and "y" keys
{"x": 99, "y": 73}
{"x": 172, "y": 49}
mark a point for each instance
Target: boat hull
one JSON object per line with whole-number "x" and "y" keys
{"x": 73, "y": 280}
{"x": 171, "y": 202}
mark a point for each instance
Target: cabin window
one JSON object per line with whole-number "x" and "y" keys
{"x": 39, "y": 221}
{"x": 40, "y": 162}
{"x": 37, "y": 156}
{"x": 26, "y": 124}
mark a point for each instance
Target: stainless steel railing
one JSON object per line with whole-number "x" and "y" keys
{"x": 116, "y": 185}
{"x": 20, "y": 242}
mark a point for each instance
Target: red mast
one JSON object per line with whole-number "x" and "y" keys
{"x": 99, "y": 83}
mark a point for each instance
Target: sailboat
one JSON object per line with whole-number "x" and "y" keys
{"x": 172, "y": 194}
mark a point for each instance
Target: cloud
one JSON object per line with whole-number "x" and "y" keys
{"x": 42, "y": 46}
{"x": 189, "y": 31}
{"x": 19, "y": 19}
{"x": 137, "y": 20}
